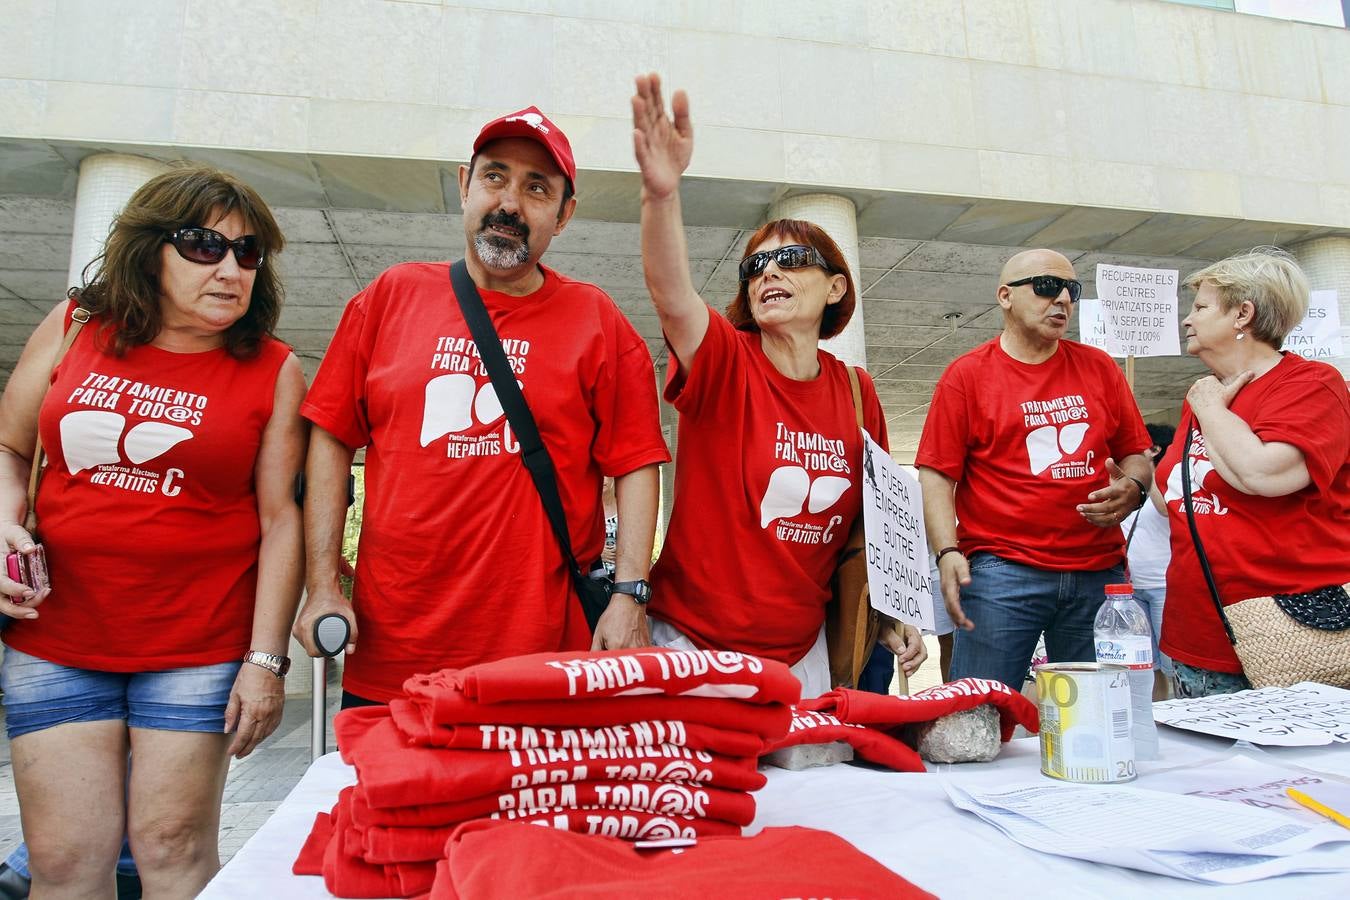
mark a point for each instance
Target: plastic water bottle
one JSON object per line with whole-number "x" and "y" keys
{"x": 1123, "y": 637}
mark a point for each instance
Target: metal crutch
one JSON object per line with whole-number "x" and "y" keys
{"x": 330, "y": 636}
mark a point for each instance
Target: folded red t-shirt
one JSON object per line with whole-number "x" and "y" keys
{"x": 531, "y": 737}
{"x": 618, "y": 673}
{"x": 494, "y": 859}
{"x": 810, "y": 727}
{"x": 439, "y": 708}
{"x": 668, "y": 798}
{"x": 628, "y": 824}
{"x": 392, "y": 773}
{"x": 345, "y": 875}
{"x": 881, "y": 711}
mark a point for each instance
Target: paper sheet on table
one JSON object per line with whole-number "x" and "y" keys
{"x": 1258, "y": 783}
{"x": 1184, "y": 837}
{"x": 1305, "y": 715}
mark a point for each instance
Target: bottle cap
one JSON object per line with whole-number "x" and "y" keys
{"x": 1118, "y": 589}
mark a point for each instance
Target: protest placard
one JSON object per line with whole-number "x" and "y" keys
{"x": 1318, "y": 336}
{"x": 1304, "y": 715}
{"x": 1138, "y": 310}
{"x": 1091, "y": 328}
{"x": 897, "y": 547}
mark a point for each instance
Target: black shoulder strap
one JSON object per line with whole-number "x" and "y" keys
{"x": 533, "y": 453}
{"x": 1195, "y": 532}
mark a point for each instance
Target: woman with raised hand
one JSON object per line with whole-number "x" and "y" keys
{"x": 768, "y": 478}
{"x": 172, "y": 536}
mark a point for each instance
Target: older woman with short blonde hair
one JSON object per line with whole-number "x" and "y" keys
{"x": 1269, "y": 455}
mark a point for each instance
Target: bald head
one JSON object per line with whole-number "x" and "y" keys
{"x": 1035, "y": 262}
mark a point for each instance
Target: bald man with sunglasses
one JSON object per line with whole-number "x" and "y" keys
{"x": 1032, "y": 454}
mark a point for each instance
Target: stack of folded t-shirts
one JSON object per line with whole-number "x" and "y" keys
{"x": 636, "y": 744}
{"x": 874, "y": 723}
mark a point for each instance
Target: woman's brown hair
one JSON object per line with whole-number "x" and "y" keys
{"x": 797, "y": 231}
{"x": 125, "y": 284}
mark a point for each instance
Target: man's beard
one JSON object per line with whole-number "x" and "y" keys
{"x": 498, "y": 252}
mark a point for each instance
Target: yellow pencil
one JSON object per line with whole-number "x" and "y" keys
{"x": 1303, "y": 799}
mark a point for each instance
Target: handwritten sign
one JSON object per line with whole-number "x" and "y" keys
{"x": 1304, "y": 715}
{"x": 897, "y": 547}
{"x": 1318, "y": 336}
{"x": 1138, "y": 310}
{"x": 1091, "y": 328}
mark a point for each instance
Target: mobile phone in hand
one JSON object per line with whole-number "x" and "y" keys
{"x": 29, "y": 569}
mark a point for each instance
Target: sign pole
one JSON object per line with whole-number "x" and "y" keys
{"x": 1129, "y": 372}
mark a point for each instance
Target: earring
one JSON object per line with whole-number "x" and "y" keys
{"x": 1240, "y": 336}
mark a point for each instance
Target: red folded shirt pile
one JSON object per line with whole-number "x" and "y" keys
{"x": 634, "y": 744}
{"x": 872, "y": 723}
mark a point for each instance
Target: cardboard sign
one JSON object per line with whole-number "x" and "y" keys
{"x": 1138, "y": 310}
{"x": 1318, "y": 336}
{"x": 897, "y": 546}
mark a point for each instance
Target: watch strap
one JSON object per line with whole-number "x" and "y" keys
{"x": 640, "y": 590}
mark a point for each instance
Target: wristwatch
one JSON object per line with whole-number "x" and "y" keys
{"x": 639, "y": 590}
{"x": 277, "y": 665}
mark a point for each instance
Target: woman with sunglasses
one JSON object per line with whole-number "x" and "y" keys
{"x": 768, "y": 478}
{"x": 172, "y": 537}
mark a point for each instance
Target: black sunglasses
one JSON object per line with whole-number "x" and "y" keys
{"x": 208, "y": 246}
{"x": 1049, "y": 286}
{"x": 793, "y": 256}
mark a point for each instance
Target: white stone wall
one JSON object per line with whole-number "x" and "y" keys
{"x": 1110, "y": 103}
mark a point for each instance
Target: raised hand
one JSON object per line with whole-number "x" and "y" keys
{"x": 662, "y": 144}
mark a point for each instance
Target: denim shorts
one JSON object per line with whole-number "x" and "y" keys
{"x": 41, "y": 694}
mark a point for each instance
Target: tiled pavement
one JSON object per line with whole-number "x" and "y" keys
{"x": 258, "y": 783}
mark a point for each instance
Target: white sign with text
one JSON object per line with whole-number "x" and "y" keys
{"x": 897, "y": 547}
{"x": 1318, "y": 336}
{"x": 1304, "y": 715}
{"x": 1138, "y": 310}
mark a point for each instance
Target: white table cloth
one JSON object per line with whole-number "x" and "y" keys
{"x": 903, "y": 820}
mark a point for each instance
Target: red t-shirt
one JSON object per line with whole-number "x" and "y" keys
{"x": 147, "y": 509}
{"x": 1258, "y": 546}
{"x": 767, "y": 486}
{"x": 457, "y": 563}
{"x": 1025, "y": 445}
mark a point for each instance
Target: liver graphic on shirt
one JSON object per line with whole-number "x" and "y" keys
{"x": 1202, "y": 501}
{"x": 791, "y": 488}
{"x": 1049, "y": 444}
{"x": 90, "y": 438}
{"x": 454, "y": 402}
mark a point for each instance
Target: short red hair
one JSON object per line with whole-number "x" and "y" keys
{"x": 797, "y": 231}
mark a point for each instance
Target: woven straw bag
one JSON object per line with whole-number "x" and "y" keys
{"x": 1282, "y": 639}
{"x": 1276, "y": 650}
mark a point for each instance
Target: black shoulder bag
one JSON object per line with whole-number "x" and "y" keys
{"x": 593, "y": 592}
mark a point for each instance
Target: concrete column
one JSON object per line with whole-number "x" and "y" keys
{"x": 1327, "y": 263}
{"x": 839, "y": 219}
{"x": 107, "y": 181}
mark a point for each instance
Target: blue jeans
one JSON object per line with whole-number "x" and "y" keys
{"x": 41, "y": 694}
{"x": 1012, "y": 604}
{"x": 1152, "y": 601}
{"x": 876, "y": 675}
{"x": 1193, "y": 681}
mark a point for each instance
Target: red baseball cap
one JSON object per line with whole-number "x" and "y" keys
{"x": 532, "y": 124}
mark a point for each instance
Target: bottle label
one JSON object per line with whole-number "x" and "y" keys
{"x": 1133, "y": 651}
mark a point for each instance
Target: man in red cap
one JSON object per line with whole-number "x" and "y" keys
{"x": 457, "y": 562}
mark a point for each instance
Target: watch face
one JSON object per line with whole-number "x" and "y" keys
{"x": 284, "y": 667}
